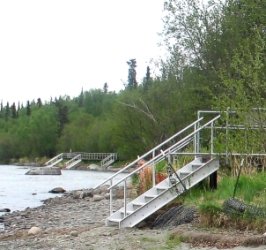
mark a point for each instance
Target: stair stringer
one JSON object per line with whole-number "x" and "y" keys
{"x": 153, "y": 199}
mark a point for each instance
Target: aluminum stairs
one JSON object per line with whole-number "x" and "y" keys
{"x": 162, "y": 193}
{"x": 107, "y": 161}
{"x": 73, "y": 162}
{"x": 183, "y": 142}
{"x": 54, "y": 161}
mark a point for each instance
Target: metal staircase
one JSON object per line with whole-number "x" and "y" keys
{"x": 177, "y": 182}
{"x": 75, "y": 158}
{"x": 73, "y": 162}
{"x": 163, "y": 193}
{"x": 55, "y": 160}
{"x": 107, "y": 161}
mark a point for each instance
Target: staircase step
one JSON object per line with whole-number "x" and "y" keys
{"x": 114, "y": 220}
{"x": 139, "y": 204}
{"x": 195, "y": 166}
{"x": 149, "y": 197}
{"x": 128, "y": 212}
{"x": 184, "y": 174}
{"x": 160, "y": 189}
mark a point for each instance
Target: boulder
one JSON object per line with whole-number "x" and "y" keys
{"x": 74, "y": 233}
{"x": 34, "y": 231}
{"x": 98, "y": 197}
{"x": 94, "y": 167}
{"x": 85, "y": 194}
{"x": 57, "y": 190}
{"x": 5, "y": 210}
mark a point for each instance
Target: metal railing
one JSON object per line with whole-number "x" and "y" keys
{"x": 54, "y": 159}
{"x": 150, "y": 153}
{"x": 108, "y": 160}
{"x": 175, "y": 147}
{"x": 73, "y": 160}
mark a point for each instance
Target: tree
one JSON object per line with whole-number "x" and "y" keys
{"x": 7, "y": 111}
{"x": 62, "y": 114}
{"x": 13, "y": 111}
{"x": 132, "y": 74}
{"x": 28, "y": 108}
{"x": 105, "y": 88}
{"x": 147, "y": 80}
{"x": 39, "y": 102}
{"x": 81, "y": 98}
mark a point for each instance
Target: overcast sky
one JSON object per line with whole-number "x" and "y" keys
{"x": 50, "y": 48}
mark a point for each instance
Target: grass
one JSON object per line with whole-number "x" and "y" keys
{"x": 251, "y": 190}
{"x": 172, "y": 241}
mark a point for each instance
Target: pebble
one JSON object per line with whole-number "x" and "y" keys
{"x": 74, "y": 233}
{"x": 34, "y": 231}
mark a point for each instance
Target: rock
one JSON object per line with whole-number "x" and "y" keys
{"x": 77, "y": 194}
{"x": 5, "y": 210}
{"x": 74, "y": 233}
{"x": 85, "y": 194}
{"x": 119, "y": 193}
{"x": 57, "y": 190}
{"x": 107, "y": 196}
{"x": 34, "y": 193}
{"x": 94, "y": 167}
{"x": 98, "y": 197}
{"x": 34, "y": 231}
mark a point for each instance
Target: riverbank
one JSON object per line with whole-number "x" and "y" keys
{"x": 77, "y": 221}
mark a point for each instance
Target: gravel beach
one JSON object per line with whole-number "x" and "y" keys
{"x": 77, "y": 221}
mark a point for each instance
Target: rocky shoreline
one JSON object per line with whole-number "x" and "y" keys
{"x": 77, "y": 221}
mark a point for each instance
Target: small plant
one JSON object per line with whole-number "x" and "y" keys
{"x": 172, "y": 241}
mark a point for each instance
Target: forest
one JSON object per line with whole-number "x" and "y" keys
{"x": 216, "y": 60}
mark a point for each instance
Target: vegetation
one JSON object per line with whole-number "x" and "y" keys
{"x": 216, "y": 61}
{"x": 250, "y": 190}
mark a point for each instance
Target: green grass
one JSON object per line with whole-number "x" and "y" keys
{"x": 250, "y": 189}
{"x": 172, "y": 241}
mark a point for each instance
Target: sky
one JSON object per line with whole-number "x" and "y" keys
{"x": 52, "y": 48}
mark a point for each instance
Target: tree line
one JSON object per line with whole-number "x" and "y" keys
{"x": 216, "y": 61}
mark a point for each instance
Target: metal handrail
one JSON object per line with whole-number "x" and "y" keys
{"x": 110, "y": 158}
{"x": 148, "y": 153}
{"x": 166, "y": 152}
{"x": 57, "y": 157}
{"x": 77, "y": 157}
{"x": 155, "y": 160}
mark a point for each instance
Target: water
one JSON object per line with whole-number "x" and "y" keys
{"x": 17, "y": 190}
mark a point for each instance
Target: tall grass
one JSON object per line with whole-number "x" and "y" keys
{"x": 251, "y": 189}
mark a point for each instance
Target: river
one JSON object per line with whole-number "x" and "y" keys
{"x": 19, "y": 191}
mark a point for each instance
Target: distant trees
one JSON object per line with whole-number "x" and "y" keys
{"x": 216, "y": 60}
{"x": 132, "y": 74}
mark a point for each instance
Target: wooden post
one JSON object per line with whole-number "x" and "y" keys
{"x": 213, "y": 181}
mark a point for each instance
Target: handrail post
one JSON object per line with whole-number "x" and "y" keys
{"x": 226, "y": 136}
{"x": 198, "y": 134}
{"x": 111, "y": 197}
{"x": 125, "y": 198}
{"x": 212, "y": 140}
{"x": 153, "y": 169}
